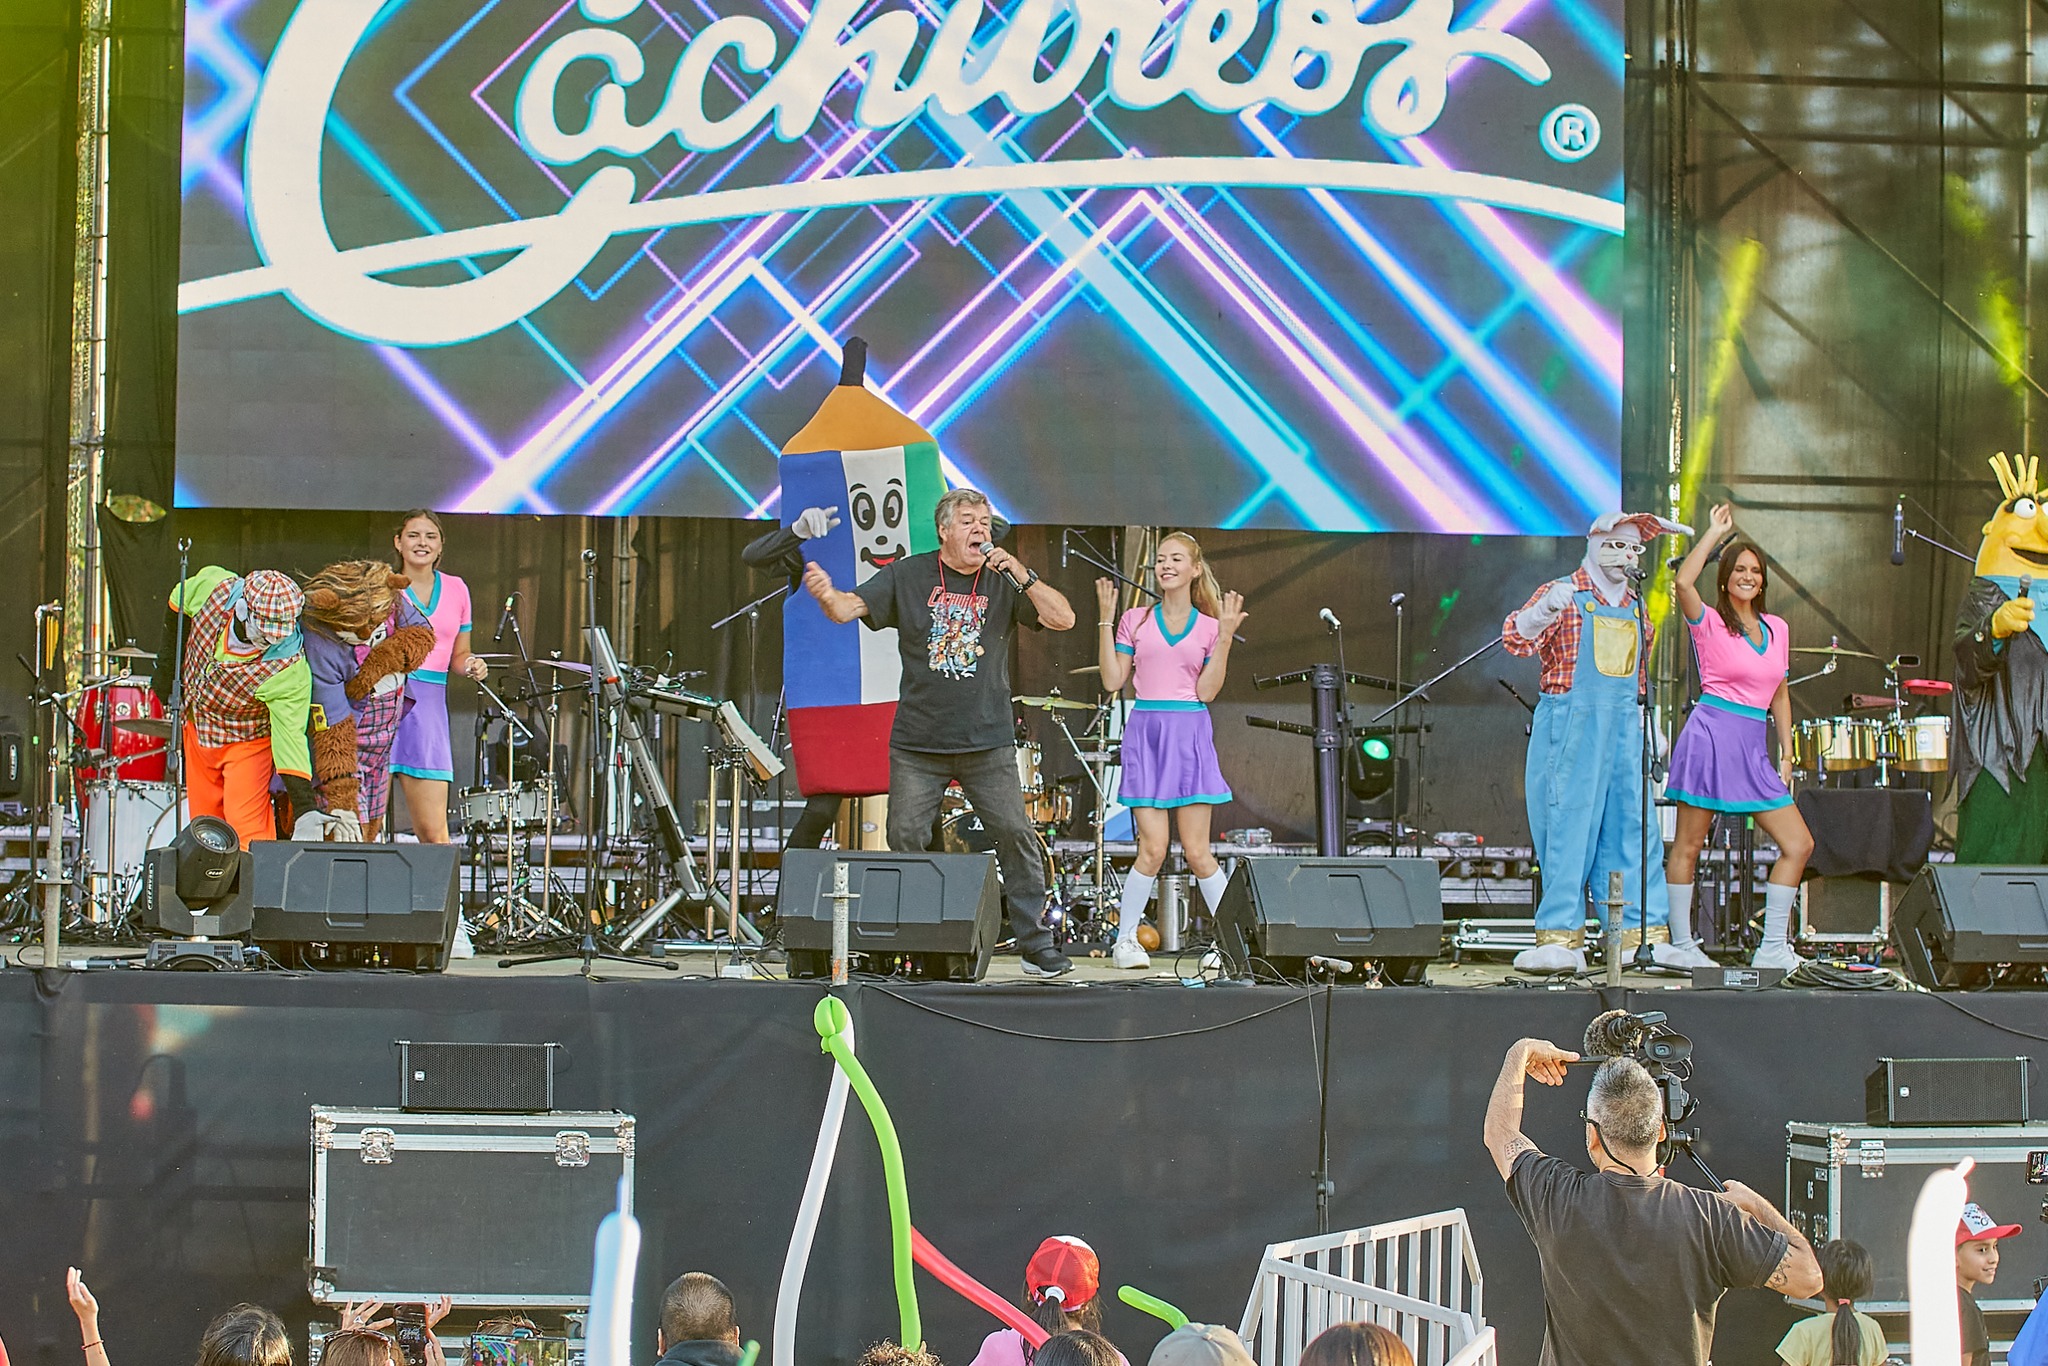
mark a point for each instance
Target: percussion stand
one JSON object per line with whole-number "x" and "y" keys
{"x": 1101, "y": 793}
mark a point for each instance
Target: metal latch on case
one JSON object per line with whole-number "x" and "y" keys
{"x": 572, "y": 1149}
{"x": 1870, "y": 1154}
{"x": 378, "y": 1146}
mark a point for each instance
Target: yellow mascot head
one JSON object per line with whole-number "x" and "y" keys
{"x": 2016, "y": 537}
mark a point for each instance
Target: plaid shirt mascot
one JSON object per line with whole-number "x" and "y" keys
{"x": 2001, "y": 682}
{"x": 859, "y": 456}
{"x": 248, "y": 695}
{"x": 1585, "y": 778}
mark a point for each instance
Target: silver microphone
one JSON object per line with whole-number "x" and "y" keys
{"x": 1634, "y": 575}
{"x": 1330, "y": 619}
{"x": 2026, "y": 584}
{"x": 1397, "y": 599}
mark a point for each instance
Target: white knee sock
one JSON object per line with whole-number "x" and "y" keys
{"x": 1778, "y": 912}
{"x": 1212, "y": 887}
{"x": 1131, "y": 910}
{"x": 1681, "y": 912}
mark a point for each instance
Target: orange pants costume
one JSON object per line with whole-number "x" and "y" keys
{"x": 232, "y": 782}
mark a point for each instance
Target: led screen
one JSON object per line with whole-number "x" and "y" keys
{"x": 1202, "y": 262}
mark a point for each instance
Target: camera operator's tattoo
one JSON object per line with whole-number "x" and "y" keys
{"x": 1781, "y": 1279}
{"x": 1513, "y": 1150}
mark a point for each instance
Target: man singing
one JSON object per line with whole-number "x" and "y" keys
{"x": 954, "y": 611}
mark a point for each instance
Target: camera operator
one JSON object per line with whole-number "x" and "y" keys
{"x": 1633, "y": 1263}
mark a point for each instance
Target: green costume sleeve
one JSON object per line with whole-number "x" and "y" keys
{"x": 197, "y": 589}
{"x": 289, "y": 695}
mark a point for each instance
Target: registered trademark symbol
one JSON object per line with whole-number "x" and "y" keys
{"x": 1569, "y": 132}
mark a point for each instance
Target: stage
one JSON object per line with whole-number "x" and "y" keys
{"x": 156, "y": 1128}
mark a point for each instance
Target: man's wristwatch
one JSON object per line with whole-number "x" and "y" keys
{"x": 1025, "y": 586}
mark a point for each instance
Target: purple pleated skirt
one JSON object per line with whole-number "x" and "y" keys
{"x": 1722, "y": 762}
{"x": 1169, "y": 758}
{"x": 422, "y": 749}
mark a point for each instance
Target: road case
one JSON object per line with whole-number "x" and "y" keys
{"x": 490, "y": 1210}
{"x": 1860, "y": 1181}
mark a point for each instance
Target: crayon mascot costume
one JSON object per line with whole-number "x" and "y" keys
{"x": 248, "y": 693}
{"x": 1585, "y": 778}
{"x": 363, "y": 636}
{"x": 859, "y": 455}
{"x": 2001, "y": 693}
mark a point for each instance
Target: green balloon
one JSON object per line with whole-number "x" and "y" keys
{"x": 832, "y": 1020}
{"x": 1153, "y": 1305}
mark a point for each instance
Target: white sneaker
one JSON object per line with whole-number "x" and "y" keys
{"x": 1129, "y": 953}
{"x": 462, "y": 948}
{"x": 1551, "y": 959}
{"x": 1778, "y": 954}
{"x": 1681, "y": 956}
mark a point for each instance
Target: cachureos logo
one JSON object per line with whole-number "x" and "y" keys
{"x": 956, "y": 75}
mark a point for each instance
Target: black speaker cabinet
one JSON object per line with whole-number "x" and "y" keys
{"x": 476, "y": 1078}
{"x": 1958, "y": 921}
{"x": 940, "y": 913}
{"x": 1286, "y": 910}
{"x": 1965, "y": 1091}
{"x": 357, "y": 905}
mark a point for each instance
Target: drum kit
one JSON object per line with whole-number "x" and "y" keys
{"x": 1877, "y": 730}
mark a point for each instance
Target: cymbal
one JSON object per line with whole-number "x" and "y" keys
{"x": 566, "y": 665}
{"x": 130, "y": 652}
{"x": 1054, "y": 703}
{"x": 145, "y": 725}
{"x": 1835, "y": 650}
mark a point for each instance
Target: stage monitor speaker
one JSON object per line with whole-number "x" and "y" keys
{"x": 1958, "y": 921}
{"x": 1966, "y": 1091}
{"x": 357, "y": 905}
{"x": 1286, "y": 910}
{"x": 940, "y": 913}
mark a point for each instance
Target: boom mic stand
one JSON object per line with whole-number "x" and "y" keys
{"x": 604, "y": 676}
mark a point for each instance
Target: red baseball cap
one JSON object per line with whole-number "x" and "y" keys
{"x": 1976, "y": 1224}
{"x": 1065, "y": 1269}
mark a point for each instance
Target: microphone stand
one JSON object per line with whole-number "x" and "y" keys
{"x": 1089, "y": 555}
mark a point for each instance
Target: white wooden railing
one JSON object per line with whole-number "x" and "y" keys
{"x": 1418, "y": 1277}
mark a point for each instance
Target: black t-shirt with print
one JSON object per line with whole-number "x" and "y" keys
{"x": 953, "y": 631}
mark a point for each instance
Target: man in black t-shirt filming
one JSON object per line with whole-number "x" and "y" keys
{"x": 954, "y": 611}
{"x": 1633, "y": 1263}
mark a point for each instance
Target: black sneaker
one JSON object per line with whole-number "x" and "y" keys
{"x": 1047, "y": 962}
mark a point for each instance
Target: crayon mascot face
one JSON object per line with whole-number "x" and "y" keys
{"x": 881, "y": 471}
{"x": 2016, "y": 538}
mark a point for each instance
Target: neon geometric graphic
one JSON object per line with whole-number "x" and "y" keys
{"x": 1201, "y": 263}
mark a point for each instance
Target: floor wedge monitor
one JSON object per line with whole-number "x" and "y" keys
{"x": 1282, "y": 911}
{"x": 936, "y": 915}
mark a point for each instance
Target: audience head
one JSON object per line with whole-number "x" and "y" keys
{"x": 359, "y": 1347}
{"x": 246, "y": 1335}
{"x": 697, "y": 1308}
{"x": 1060, "y": 1285}
{"x": 896, "y": 1354}
{"x": 1357, "y": 1344}
{"x": 1077, "y": 1347}
{"x": 1624, "y": 1115}
{"x": 1845, "y": 1277}
{"x": 1201, "y": 1344}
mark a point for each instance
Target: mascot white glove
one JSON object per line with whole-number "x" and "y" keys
{"x": 1533, "y": 620}
{"x": 812, "y": 523}
{"x": 316, "y": 827}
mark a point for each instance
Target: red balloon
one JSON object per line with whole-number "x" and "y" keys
{"x": 953, "y": 1278}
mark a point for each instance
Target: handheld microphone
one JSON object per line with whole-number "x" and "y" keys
{"x": 1328, "y": 964}
{"x": 2026, "y": 584}
{"x": 1064, "y": 533}
{"x": 1899, "y": 531}
{"x": 504, "y": 616}
{"x": 1397, "y": 599}
{"x": 1330, "y": 619}
{"x": 1633, "y": 574}
{"x": 590, "y": 557}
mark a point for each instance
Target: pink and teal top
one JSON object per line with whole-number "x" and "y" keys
{"x": 1165, "y": 666}
{"x": 447, "y": 610}
{"x": 1736, "y": 674}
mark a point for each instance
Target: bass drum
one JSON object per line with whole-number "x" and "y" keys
{"x": 124, "y": 821}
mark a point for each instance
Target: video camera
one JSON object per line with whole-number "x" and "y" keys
{"x": 1666, "y": 1055}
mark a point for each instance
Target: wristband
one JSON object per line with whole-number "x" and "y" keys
{"x": 90, "y": 1345}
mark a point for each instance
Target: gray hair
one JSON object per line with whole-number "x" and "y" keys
{"x": 942, "y": 513}
{"x": 1626, "y": 1104}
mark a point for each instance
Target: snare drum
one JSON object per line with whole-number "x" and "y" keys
{"x": 1053, "y": 807}
{"x": 1919, "y": 744}
{"x": 523, "y": 804}
{"x": 1836, "y": 744}
{"x": 124, "y": 821}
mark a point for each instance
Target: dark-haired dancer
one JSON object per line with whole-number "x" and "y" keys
{"x": 1722, "y": 761}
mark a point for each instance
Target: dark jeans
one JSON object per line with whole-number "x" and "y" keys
{"x": 989, "y": 778}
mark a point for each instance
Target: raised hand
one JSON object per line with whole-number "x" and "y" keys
{"x": 1721, "y": 522}
{"x": 1233, "y": 614}
{"x": 82, "y": 1302}
{"x": 1105, "y": 598}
